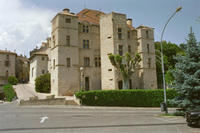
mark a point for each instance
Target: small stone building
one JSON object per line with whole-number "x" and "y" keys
{"x": 78, "y": 49}
{"x": 12, "y": 64}
{"x": 7, "y": 65}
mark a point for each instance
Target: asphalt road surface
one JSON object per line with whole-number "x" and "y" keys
{"x": 76, "y": 119}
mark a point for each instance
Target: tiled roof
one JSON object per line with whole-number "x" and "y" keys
{"x": 91, "y": 16}
{"x": 130, "y": 27}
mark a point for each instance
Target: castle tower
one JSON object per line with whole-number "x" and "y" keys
{"x": 117, "y": 38}
{"x": 146, "y": 49}
{"x": 64, "y": 54}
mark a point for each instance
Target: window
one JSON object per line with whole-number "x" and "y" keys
{"x": 86, "y": 44}
{"x": 147, "y": 34}
{"x": 119, "y": 33}
{"x": 86, "y": 61}
{"x": 68, "y": 40}
{"x": 43, "y": 71}
{"x": 128, "y": 34}
{"x": 87, "y": 83}
{"x": 7, "y": 57}
{"x": 54, "y": 42}
{"x": 7, "y": 63}
{"x": 68, "y": 61}
{"x": 54, "y": 63}
{"x": 149, "y": 62}
{"x": 129, "y": 48}
{"x": 85, "y": 29}
{"x": 97, "y": 61}
{"x": 147, "y": 48}
{"x": 32, "y": 71}
{"x": 120, "y": 50}
{"x": 68, "y": 20}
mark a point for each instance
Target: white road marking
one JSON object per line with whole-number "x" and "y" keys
{"x": 43, "y": 119}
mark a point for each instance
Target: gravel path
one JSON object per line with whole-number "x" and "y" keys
{"x": 25, "y": 91}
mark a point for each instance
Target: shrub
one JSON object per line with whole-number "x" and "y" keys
{"x": 9, "y": 92}
{"x": 43, "y": 83}
{"x": 126, "y": 98}
{"x": 12, "y": 80}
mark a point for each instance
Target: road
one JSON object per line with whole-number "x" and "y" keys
{"x": 79, "y": 119}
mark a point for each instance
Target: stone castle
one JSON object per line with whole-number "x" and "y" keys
{"x": 76, "y": 54}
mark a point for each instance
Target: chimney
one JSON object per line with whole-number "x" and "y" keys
{"x": 66, "y": 10}
{"x": 129, "y": 21}
{"x": 44, "y": 44}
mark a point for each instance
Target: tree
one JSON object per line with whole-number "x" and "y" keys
{"x": 169, "y": 51}
{"x": 187, "y": 73}
{"x": 43, "y": 83}
{"x": 126, "y": 65}
{"x": 12, "y": 80}
{"x": 169, "y": 77}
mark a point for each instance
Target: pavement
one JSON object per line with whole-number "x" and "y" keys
{"x": 81, "y": 119}
{"x": 25, "y": 91}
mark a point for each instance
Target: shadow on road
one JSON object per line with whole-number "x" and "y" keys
{"x": 78, "y": 127}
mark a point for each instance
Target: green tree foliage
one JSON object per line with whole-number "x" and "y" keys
{"x": 12, "y": 80}
{"x": 187, "y": 73}
{"x": 9, "y": 92}
{"x": 43, "y": 83}
{"x": 169, "y": 51}
{"x": 169, "y": 77}
{"x": 126, "y": 65}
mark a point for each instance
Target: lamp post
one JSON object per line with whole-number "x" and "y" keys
{"x": 163, "y": 71}
{"x": 81, "y": 72}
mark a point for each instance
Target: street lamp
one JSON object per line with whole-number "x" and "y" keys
{"x": 163, "y": 71}
{"x": 82, "y": 75}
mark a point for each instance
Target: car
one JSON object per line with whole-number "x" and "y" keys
{"x": 193, "y": 118}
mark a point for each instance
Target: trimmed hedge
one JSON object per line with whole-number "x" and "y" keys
{"x": 125, "y": 98}
{"x": 12, "y": 80}
{"x": 9, "y": 92}
{"x": 43, "y": 83}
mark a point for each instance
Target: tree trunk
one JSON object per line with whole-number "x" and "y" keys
{"x": 125, "y": 83}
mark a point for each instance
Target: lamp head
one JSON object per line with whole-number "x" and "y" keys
{"x": 178, "y": 9}
{"x": 81, "y": 68}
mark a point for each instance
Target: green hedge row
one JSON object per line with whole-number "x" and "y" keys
{"x": 9, "y": 92}
{"x": 125, "y": 98}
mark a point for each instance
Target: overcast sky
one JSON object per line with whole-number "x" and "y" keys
{"x": 26, "y": 23}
